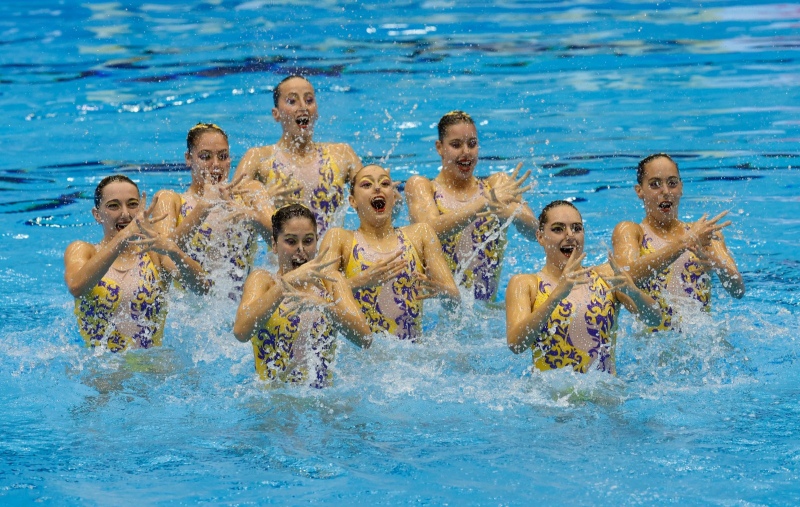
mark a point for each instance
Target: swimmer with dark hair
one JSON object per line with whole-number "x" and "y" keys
{"x": 120, "y": 284}
{"x": 565, "y": 313}
{"x": 468, "y": 213}
{"x": 296, "y": 168}
{"x": 391, "y": 269}
{"x": 668, "y": 258}
{"x": 292, "y": 317}
{"x": 216, "y": 222}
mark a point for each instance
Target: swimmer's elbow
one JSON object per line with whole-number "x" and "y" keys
{"x": 241, "y": 334}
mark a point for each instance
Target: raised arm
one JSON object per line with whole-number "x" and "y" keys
{"x": 422, "y": 208}
{"x": 347, "y": 160}
{"x": 626, "y": 240}
{"x": 249, "y": 164}
{"x": 260, "y": 298}
{"x": 717, "y": 257}
{"x": 437, "y": 272}
{"x": 634, "y": 299}
{"x": 346, "y": 314}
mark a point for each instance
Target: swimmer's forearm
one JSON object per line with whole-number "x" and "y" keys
{"x": 190, "y": 271}
{"x": 82, "y": 280}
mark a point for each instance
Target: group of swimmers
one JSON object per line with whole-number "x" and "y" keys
{"x": 374, "y": 279}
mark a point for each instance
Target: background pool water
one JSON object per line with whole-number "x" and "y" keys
{"x": 578, "y": 91}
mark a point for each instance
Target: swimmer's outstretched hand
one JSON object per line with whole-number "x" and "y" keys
{"x": 621, "y": 280}
{"x": 704, "y": 231}
{"x": 379, "y": 273}
{"x": 297, "y": 300}
{"x": 427, "y": 288}
{"x": 573, "y": 274}
{"x": 504, "y": 198}
{"x": 313, "y": 272}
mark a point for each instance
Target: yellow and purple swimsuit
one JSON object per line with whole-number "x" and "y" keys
{"x": 324, "y": 197}
{"x": 476, "y": 252}
{"x": 685, "y": 277}
{"x": 579, "y": 334}
{"x": 394, "y": 306}
{"x": 295, "y": 347}
{"x": 235, "y": 250}
{"x": 124, "y": 311}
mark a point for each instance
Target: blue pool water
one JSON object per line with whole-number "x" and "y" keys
{"x": 578, "y": 91}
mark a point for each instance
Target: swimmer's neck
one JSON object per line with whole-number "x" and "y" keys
{"x": 377, "y": 232}
{"x": 459, "y": 184}
{"x": 664, "y": 228}
{"x": 299, "y": 145}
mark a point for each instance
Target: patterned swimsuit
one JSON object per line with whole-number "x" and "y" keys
{"x": 232, "y": 252}
{"x": 324, "y": 197}
{"x": 475, "y": 254}
{"x": 580, "y": 332}
{"x": 393, "y": 306}
{"x": 125, "y": 309}
{"x": 685, "y": 277}
{"x": 295, "y": 347}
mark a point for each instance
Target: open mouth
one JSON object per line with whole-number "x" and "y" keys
{"x": 215, "y": 177}
{"x": 121, "y": 225}
{"x": 464, "y": 165}
{"x": 379, "y": 203}
{"x": 303, "y": 121}
{"x": 298, "y": 261}
{"x": 567, "y": 250}
{"x": 665, "y": 206}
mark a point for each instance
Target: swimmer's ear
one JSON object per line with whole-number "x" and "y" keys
{"x": 352, "y": 201}
{"x": 439, "y": 147}
{"x": 188, "y": 158}
{"x": 96, "y": 215}
{"x": 638, "y": 189}
{"x": 276, "y": 114}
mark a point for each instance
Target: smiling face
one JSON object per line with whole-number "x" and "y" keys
{"x": 118, "y": 205}
{"x": 561, "y": 235}
{"x": 297, "y": 107}
{"x": 209, "y": 158}
{"x": 661, "y": 190}
{"x": 372, "y": 193}
{"x": 459, "y": 150}
{"x": 296, "y": 243}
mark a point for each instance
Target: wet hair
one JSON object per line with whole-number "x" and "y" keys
{"x": 355, "y": 176}
{"x": 276, "y": 92}
{"x": 98, "y": 191}
{"x": 646, "y": 160}
{"x": 200, "y": 129}
{"x": 450, "y": 119}
{"x": 554, "y": 204}
{"x": 287, "y": 213}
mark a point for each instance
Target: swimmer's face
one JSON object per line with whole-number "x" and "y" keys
{"x": 562, "y": 234}
{"x": 210, "y": 158}
{"x": 661, "y": 189}
{"x": 373, "y": 192}
{"x": 296, "y": 244}
{"x": 297, "y": 107}
{"x": 118, "y": 206}
{"x": 459, "y": 150}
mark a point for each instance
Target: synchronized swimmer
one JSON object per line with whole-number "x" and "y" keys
{"x": 376, "y": 278}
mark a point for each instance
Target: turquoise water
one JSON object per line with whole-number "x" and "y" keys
{"x": 578, "y": 91}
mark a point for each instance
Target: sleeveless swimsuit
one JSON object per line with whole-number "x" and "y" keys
{"x": 233, "y": 253}
{"x": 393, "y": 306}
{"x": 125, "y": 309}
{"x": 580, "y": 331}
{"x": 475, "y": 254}
{"x": 684, "y": 277}
{"x": 322, "y": 191}
{"x": 296, "y": 347}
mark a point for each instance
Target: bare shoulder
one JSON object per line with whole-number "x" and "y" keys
{"x": 520, "y": 286}
{"x": 79, "y": 249}
{"x": 627, "y": 229}
{"x": 419, "y": 185}
{"x": 258, "y": 281}
{"x": 419, "y": 232}
{"x": 603, "y": 270}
